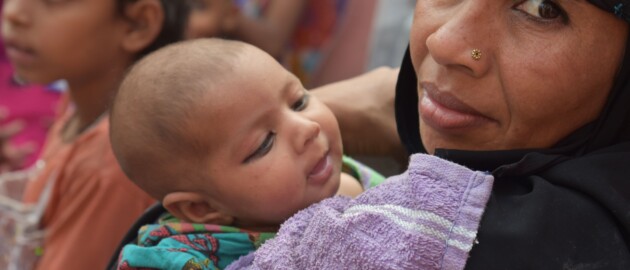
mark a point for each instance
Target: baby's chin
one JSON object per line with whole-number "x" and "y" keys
{"x": 330, "y": 189}
{"x": 335, "y": 181}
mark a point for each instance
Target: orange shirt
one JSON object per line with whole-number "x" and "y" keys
{"x": 92, "y": 204}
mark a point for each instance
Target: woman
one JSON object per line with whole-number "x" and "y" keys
{"x": 536, "y": 92}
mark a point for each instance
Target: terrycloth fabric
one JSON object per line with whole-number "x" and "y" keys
{"x": 426, "y": 218}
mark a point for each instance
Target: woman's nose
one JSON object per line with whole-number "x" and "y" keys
{"x": 16, "y": 12}
{"x": 306, "y": 132}
{"x": 463, "y": 40}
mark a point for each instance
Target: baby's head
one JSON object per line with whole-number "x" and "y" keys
{"x": 221, "y": 133}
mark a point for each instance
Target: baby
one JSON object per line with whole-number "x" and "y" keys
{"x": 222, "y": 134}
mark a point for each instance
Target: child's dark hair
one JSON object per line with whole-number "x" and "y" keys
{"x": 175, "y": 20}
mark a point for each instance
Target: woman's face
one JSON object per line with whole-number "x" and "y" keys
{"x": 545, "y": 70}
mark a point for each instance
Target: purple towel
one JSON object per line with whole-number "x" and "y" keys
{"x": 425, "y": 218}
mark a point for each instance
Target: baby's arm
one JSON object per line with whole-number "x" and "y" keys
{"x": 349, "y": 186}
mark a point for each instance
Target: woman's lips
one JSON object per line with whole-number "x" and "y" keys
{"x": 322, "y": 171}
{"x": 441, "y": 110}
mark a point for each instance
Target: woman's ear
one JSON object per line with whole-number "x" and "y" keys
{"x": 145, "y": 19}
{"x": 193, "y": 207}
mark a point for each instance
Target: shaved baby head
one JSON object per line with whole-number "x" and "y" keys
{"x": 153, "y": 127}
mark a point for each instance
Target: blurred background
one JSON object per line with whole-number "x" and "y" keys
{"x": 321, "y": 41}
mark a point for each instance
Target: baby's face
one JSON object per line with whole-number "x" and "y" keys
{"x": 275, "y": 149}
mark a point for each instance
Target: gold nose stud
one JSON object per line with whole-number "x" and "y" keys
{"x": 475, "y": 54}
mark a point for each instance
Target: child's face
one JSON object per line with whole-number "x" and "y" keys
{"x": 276, "y": 149}
{"x": 70, "y": 39}
{"x": 209, "y": 18}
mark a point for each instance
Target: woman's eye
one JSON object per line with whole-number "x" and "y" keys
{"x": 541, "y": 9}
{"x": 263, "y": 149}
{"x": 301, "y": 103}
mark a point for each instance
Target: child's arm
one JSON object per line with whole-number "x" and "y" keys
{"x": 349, "y": 186}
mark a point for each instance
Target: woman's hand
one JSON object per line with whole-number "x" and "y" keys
{"x": 364, "y": 107}
{"x": 11, "y": 157}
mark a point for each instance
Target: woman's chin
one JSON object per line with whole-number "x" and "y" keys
{"x": 433, "y": 139}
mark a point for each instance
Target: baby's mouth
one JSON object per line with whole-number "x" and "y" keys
{"x": 322, "y": 170}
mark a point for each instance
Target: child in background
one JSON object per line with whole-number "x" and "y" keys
{"x": 26, "y": 113}
{"x": 211, "y": 18}
{"x": 298, "y": 33}
{"x": 90, "y": 43}
{"x": 232, "y": 145}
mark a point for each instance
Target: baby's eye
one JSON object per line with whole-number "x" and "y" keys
{"x": 301, "y": 103}
{"x": 263, "y": 149}
{"x": 541, "y": 9}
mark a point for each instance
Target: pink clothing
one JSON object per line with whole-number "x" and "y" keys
{"x": 92, "y": 203}
{"x": 33, "y": 104}
{"x": 3, "y": 55}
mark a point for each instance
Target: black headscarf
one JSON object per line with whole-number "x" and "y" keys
{"x": 621, "y": 8}
{"x": 559, "y": 208}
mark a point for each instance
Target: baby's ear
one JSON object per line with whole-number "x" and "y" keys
{"x": 193, "y": 207}
{"x": 145, "y": 19}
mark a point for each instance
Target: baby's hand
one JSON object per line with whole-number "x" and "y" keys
{"x": 349, "y": 186}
